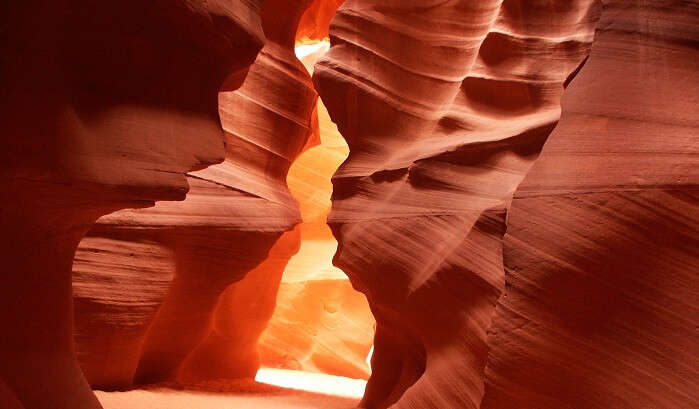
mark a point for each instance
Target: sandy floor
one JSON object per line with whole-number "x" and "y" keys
{"x": 222, "y": 395}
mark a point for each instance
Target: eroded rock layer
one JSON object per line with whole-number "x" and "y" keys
{"x": 105, "y": 105}
{"x": 315, "y": 22}
{"x": 445, "y": 106}
{"x": 233, "y": 215}
{"x": 321, "y": 324}
{"x": 118, "y": 285}
{"x": 601, "y": 303}
{"x": 243, "y": 311}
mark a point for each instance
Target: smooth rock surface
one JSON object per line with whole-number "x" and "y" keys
{"x": 321, "y": 324}
{"x": 445, "y": 106}
{"x": 222, "y": 394}
{"x": 105, "y": 105}
{"x": 243, "y": 312}
{"x": 118, "y": 285}
{"x": 602, "y": 297}
{"x": 232, "y": 216}
{"x": 315, "y": 22}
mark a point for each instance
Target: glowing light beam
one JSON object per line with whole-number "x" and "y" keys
{"x": 312, "y": 382}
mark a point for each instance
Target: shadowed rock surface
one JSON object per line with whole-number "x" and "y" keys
{"x": 602, "y": 300}
{"x": 105, "y": 105}
{"x": 445, "y": 106}
{"x": 509, "y": 260}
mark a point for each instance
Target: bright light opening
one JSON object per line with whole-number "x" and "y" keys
{"x": 320, "y": 337}
{"x": 312, "y": 382}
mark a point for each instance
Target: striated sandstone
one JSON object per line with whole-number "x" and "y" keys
{"x": 315, "y": 22}
{"x": 118, "y": 285}
{"x": 105, "y": 105}
{"x": 244, "y": 309}
{"x": 233, "y": 215}
{"x": 602, "y": 297}
{"x": 444, "y": 106}
{"x": 320, "y": 323}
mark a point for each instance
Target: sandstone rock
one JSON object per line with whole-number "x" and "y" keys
{"x": 118, "y": 285}
{"x": 231, "y": 348}
{"x": 315, "y": 22}
{"x": 444, "y": 106}
{"x": 319, "y": 325}
{"x": 233, "y": 215}
{"x": 105, "y": 105}
{"x": 601, "y": 303}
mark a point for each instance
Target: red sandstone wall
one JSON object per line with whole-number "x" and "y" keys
{"x": 445, "y": 106}
{"x": 232, "y": 217}
{"x": 105, "y": 105}
{"x": 315, "y": 22}
{"x": 601, "y": 300}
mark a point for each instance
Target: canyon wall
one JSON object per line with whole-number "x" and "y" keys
{"x": 602, "y": 299}
{"x": 445, "y": 106}
{"x": 105, "y": 105}
{"x": 597, "y": 306}
{"x": 232, "y": 216}
{"x": 315, "y": 22}
{"x": 496, "y": 282}
{"x": 321, "y": 324}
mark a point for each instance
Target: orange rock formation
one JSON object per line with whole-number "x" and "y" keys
{"x": 444, "y": 106}
{"x": 509, "y": 260}
{"x": 233, "y": 215}
{"x": 602, "y": 301}
{"x": 105, "y": 105}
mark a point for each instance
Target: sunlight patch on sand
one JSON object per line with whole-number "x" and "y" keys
{"x": 312, "y": 382}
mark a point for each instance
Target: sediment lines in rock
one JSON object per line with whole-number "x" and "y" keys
{"x": 600, "y": 309}
{"x": 444, "y": 107}
{"x": 105, "y": 106}
{"x": 233, "y": 215}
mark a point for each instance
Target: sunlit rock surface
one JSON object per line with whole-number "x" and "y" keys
{"x": 321, "y": 324}
{"x": 588, "y": 301}
{"x": 315, "y": 22}
{"x": 233, "y": 214}
{"x": 104, "y": 106}
{"x": 445, "y": 106}
{"x": 602, "y": 298}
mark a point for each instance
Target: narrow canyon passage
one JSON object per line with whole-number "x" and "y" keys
{"x": 349, "y": 204}
{"x": 321, "y": 324}
{"x": 318, "y": 330}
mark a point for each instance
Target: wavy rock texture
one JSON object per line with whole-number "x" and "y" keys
{"x": 445, "y": 106}
{"x": 601, "y": 306}
{"x": 101, "y": 110}
{"x": 321, "y": 324}
{"x": 242, "y": 314}
{"x": 233, "y": 215}
{"x": 315, "y": 22}
{"x": 118, "y": 285}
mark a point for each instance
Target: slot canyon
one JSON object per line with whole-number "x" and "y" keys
{"x": 299, "y": 204}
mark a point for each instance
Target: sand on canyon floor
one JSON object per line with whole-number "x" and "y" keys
{"x": 227, "y": 394}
